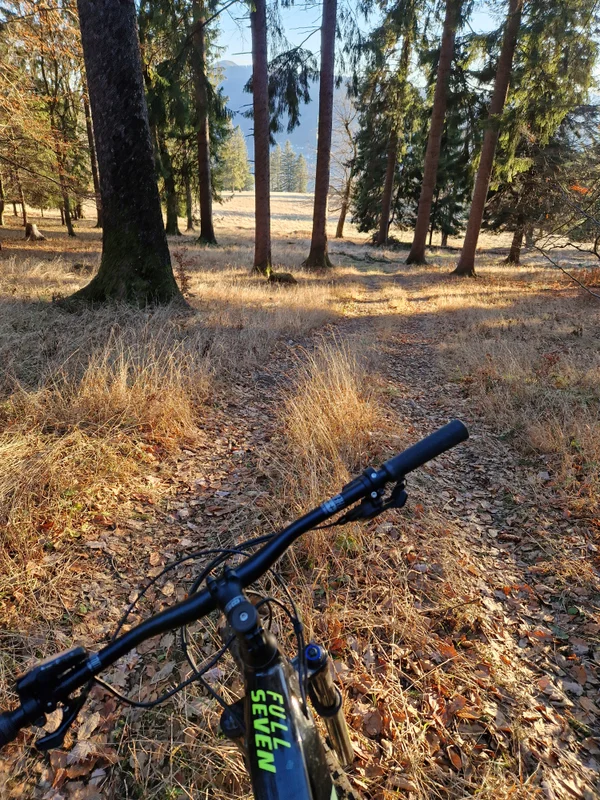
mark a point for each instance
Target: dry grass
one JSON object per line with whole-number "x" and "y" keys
{"x": 87, "y": 401}
{"x": 90, "y": 405}
{"x": 391, "y": 598}
{"x": 530, "y": 359}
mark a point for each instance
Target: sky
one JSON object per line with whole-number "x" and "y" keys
{"x": 300, "y": 21}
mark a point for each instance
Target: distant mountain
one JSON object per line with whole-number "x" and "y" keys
{"x": 303, "y": 138}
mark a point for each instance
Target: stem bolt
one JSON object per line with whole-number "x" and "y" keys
{"x": 244, "y": 616}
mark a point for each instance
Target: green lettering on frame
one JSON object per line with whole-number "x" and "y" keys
{"x": 266, "y": 760}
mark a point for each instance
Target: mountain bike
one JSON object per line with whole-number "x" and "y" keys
{"x": 285, "y": 755}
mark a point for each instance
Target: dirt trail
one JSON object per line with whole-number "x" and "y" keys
{"x": 482, "y": 506}
{"x": 510, "y": 525}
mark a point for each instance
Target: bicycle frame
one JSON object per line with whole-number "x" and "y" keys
{"x": 285, "y": 754}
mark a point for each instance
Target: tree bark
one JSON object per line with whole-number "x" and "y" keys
{"x": 22, "y": 199}
{"x": 187, "y": 180}
{"x": 62, "y": 215}
{"x": 2, "y": 201}
{"x": 529, "y": 237}
{"x": 172, "y": 224}
{"x": 444, "y": 239}
{"x": 93, "y": 161}
{"x": 260, "y": 103}
{"x": 135, "y": 267}
{"x": 466, "y": 264}
{"x": 318, "y": 256}
{"x": 436, "y": 128}
{"x": 67, "y": 210}
{"x": 339, "y": 231}
{"x": 514, "y": 255}
{"x": 207, "y": 232}
{"x": 388, "y": 188}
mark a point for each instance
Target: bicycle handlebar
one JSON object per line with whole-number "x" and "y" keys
{"x": 427, "y": 449}
{"x": 249, "y": 571}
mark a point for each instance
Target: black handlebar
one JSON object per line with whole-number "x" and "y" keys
{"x": 11, "y": 723}
{"x": 76, "y": 668}
{"x": 428, "y": 448}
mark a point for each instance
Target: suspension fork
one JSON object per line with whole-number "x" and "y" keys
{"x": 327, "y": 701}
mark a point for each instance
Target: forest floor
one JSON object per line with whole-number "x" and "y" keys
{"x": 465, "y": 628}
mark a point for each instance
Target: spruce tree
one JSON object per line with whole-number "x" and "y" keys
{"x": 135, "y": 265}
{"x": 300, "y": 175}
{"x": 436, "y": 129}
{"x": 288, "y": 168}
{"x": 276, "y": 158}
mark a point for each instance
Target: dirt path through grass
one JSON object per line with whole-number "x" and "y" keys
{"x": 465, "y": 628}
{"x": 492, "y": 518}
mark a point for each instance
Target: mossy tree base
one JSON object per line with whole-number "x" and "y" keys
{"x": 209, "y": 241}
{"x": 417, "y": 259}
{"x": 464, "y": 271}
{"x": 263, "y": 269}
{"x": 318, "y": 258}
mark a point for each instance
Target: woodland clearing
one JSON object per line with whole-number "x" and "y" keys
{"x": 465, "y": 629}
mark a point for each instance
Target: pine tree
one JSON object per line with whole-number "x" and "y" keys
{"x": 318, "y": 256}
{"x": 234, "y": 170}
{"x": 300, "y": 175}
{"x": 276, "y": 157}
{"x": 466, "y": 264}
{"x": 551, "y": 74}
{"x": 135, "y": 265}
{"x": 288, "y": 168}
{"x": 436, "y": 130}
{"x": 260, "y": 109}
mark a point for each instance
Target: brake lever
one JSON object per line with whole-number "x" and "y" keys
{"x": 373, "y": 506}
{"x": 40, "y": 688}
{"x": 53, "y": 740}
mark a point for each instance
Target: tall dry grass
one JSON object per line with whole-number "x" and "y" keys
{"x": 88, "y": 402}
{"x": 532, "y": 365}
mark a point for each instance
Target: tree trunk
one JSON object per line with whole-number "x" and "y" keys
{"x": 430, "y": 235}
{"x": 93, "y": 161}
{"x": 187, "y": 180}
{"x": 79, "y": 211}
{"x": 172, "y": 225}
{"x": 67, "y": 210}
{"x": 22, "y": 196}
{"x": 15, "y": 212}
{"x": 33, "y": 233}
{"x": 135, "y": 267}
{"x": 388, "y": 188}
{"x": 62, "y": 215}
{"x": 339, "y": 231}
{"x": 2, "y": 200}
{"x": 318, "y": 256}
{"x": 207, "y": 233}
{"x": 436, "y": 128}
{"x": 466, "y": 264}
{"x": 514, "y": 255}
{"x": 529, "y": 237}
{"x": 444, "y": 239}
{"x": 260, "y": 103}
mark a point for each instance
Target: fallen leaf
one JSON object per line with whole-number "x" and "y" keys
{"x": 454, "y": 757}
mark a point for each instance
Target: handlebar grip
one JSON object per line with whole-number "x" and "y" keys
{"x": 432, "y": 446}
{"x": 11, "y": 723}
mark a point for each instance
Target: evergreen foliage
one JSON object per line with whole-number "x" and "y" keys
{"x": 233, "y": 173}
{"x": 289, "y": 172}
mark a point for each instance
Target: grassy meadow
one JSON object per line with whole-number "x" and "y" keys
{"x": 465, "y": 629}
